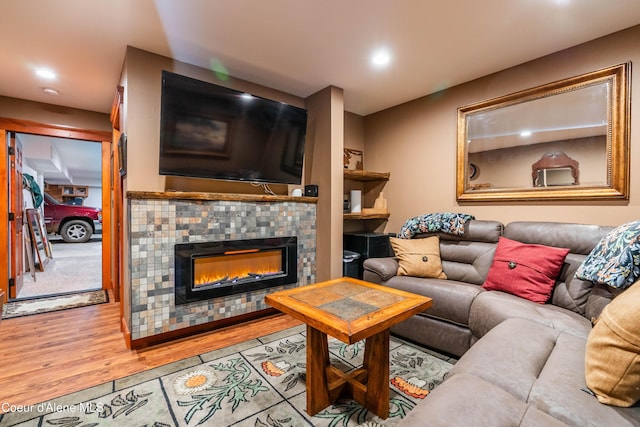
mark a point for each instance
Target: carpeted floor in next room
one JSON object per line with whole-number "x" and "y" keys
{"x": 259, "y": 382}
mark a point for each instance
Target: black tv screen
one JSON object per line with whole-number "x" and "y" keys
{"x": 210, "y": 131}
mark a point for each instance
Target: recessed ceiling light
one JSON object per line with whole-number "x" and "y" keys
{"x": 45, "y": 73}
{"x": 50, "y": 91}
{"x": 381, "y": 58}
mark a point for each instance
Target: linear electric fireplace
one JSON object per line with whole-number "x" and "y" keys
{"x": 213, "y": 269}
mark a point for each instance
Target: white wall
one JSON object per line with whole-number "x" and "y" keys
{"x": 26, "y": 194}
{"x": 95, "y": 197}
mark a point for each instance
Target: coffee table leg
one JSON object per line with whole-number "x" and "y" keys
{"x": 376, "y": 362}
{"x": 317, "y": 363}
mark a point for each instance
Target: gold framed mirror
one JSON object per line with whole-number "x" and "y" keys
{"x": 586, "y": 117}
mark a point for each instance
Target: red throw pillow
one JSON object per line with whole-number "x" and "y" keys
{"x": 526, "y": 270}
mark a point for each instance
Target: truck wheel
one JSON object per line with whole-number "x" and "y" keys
{"x": 76, "y": 231}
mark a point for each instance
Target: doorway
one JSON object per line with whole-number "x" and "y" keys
{"x": 63, "y": 187}
{"x": 13, "y": 265}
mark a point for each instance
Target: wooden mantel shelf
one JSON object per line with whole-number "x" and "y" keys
{"x": 191, "y": 195}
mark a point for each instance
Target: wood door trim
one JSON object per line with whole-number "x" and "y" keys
{"x": 37, "y": 128}
{"x": 28, "y": 126}
{"x": 4, "y": 213}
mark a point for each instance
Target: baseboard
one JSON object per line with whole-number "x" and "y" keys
{"x": 141, "y": 343}
{"x": 125, "y": 332}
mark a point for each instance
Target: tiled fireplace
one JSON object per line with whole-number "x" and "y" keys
{"x": 161, "y": 224}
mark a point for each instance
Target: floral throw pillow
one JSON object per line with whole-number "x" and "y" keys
{"x": 441, "y": 222}
{"x": 615, "y": 261}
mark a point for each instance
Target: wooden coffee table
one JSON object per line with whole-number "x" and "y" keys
{"x": 349, "y": 310}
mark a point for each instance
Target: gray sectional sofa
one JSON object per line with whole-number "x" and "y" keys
{"x": 521, "y": 363}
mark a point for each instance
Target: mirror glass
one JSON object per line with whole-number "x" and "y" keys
{"x": 556, "y": 176}
{"x": 561, "y": 141}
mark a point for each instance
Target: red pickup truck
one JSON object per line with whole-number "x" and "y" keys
{"x": 75, "y": 224}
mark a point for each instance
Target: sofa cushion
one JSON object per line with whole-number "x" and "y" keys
{"x": 489, "y": 309}
{"x": 612, "y": 363}
{"x": 541, "y": 367}
{"x": 526, "y": 270}
{"x": 464, "y": 400}
{"x": 569, "y": 292}
{"x": 435, "y": 333}
{"x": 451, "y": 299}
{"x": 510, "y": 356}
{"x": 418, "y": 257}
{"x": 599, "y": 297}
{"x": 615, "y": 261}
{"x": 579, "y": 238}
{"x": 560, "y": 389}
{"x": 466, "y": 261}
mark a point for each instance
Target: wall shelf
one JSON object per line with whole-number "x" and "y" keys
{"x": 362, "y": 175}
{"x": 371, "y": 184}
{"x": 366, "y": 216}
{"x": 67, "y": 192}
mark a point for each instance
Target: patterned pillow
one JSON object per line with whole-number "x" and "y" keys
{"x": 615, "y": 261}
{"x": 441, "y": 222}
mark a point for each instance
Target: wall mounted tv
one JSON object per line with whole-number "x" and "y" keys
{"x": 210, "y": 131}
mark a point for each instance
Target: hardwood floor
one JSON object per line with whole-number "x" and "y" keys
{"x": 48, "y": 355}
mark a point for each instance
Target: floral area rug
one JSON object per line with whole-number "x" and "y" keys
{"x": 258, "y": 383}
{"x": 53, "y": 303}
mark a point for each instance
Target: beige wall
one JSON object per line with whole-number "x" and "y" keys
{"x": 353, "y": 131}
{"x": 354, "y": 138}
{"x": 323, "y": 165}
{"x": 416, "y": 141}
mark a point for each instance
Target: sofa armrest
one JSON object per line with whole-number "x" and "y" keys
{"x": 378, "y": 270}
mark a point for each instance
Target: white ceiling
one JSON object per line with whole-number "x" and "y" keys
{"x": 296, "y": 46}
{"x": 63, "y": 161}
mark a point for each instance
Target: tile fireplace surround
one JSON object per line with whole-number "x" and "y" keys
{"x": 157, "y": 221}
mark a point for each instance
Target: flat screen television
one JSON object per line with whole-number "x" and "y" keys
{"x": 210, "y": 131}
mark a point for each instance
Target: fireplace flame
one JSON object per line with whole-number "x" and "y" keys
{"x": 241, "y": 265}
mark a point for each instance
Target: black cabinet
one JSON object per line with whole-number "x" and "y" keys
{"x": 368, "y": 245}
